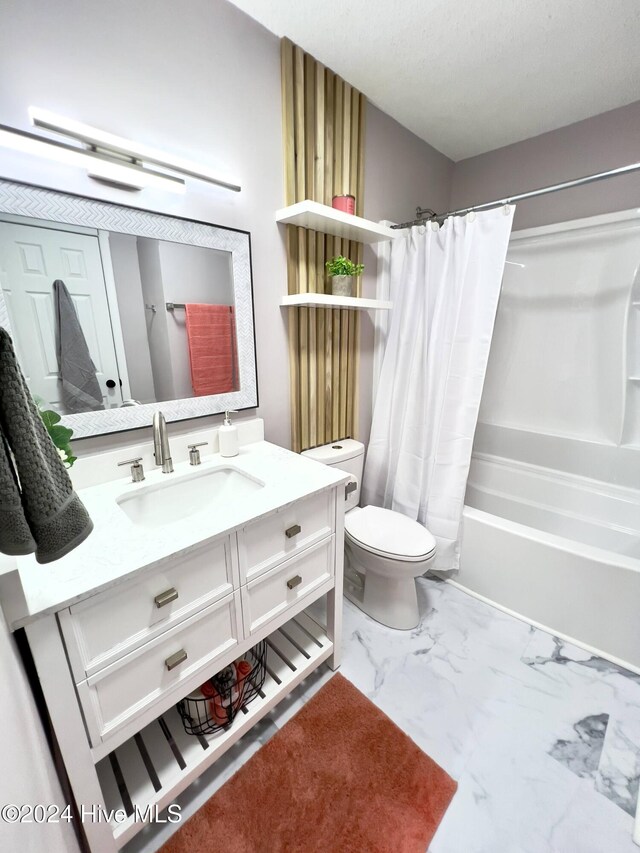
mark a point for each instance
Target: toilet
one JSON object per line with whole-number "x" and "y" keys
{"x": 385, "y": 551}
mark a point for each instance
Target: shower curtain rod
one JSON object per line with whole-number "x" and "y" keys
{"x": 589, "y": 179}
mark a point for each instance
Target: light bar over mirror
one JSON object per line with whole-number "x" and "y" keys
{"x": 107, "y": 157}
{"x": 109, "y": 143}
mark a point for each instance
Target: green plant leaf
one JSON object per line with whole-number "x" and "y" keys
{"x": 60, "y": 435}
{"x": 49, "y": 418}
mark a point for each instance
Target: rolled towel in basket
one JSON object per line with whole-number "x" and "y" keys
{"x": 217, "y": 709}
{"x": 243, "y": 670}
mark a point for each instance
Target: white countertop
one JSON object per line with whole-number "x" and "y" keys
{"x": 117, "y": 548}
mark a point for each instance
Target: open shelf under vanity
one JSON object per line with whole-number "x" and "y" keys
{"x": 150, "y": 769}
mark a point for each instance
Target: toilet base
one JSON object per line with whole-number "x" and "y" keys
{"x": 390, "y": 601}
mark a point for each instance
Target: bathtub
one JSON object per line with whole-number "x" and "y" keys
{"x": 560, "y": 550}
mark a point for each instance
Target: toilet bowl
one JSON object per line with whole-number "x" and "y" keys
{"x": 385, "y": 551}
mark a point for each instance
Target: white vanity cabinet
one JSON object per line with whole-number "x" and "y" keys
{"x": 114, "y": 663}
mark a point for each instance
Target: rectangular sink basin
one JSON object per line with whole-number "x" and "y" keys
{"x": 175, "y": 500}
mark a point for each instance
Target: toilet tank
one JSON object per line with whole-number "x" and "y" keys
{"x": 348, "y": 456}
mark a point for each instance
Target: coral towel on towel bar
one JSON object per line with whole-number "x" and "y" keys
{"x": 211, "y": 336}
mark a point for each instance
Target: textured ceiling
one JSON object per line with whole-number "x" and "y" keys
{"x": 469, "y": 76}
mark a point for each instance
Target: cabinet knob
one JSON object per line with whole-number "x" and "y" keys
{"x": 173, "y": 660}
{"x": 166, "y": 597}
{"x": 294, "y": 581}
{"x": 292, "y": 531}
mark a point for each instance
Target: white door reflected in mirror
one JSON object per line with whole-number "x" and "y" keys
{"x": 31, "y": 259}
{"x": 155, "y": 319}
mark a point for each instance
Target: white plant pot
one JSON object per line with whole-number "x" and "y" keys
{"x": 342, "y": 285}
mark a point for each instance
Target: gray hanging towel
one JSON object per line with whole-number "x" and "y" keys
{"x": 15, "y": 536}
{"x": 39, "y": 511}
{"x": 80, "y": 388}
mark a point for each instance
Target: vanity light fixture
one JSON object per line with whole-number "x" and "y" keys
{"x": 122, "y": 173}
{"x": 117, "y": 146}
{"x": 107, "y": 157}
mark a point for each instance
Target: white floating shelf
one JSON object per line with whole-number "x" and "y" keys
{"x": 321, "y": 217}
{"x": 157, "y": 764}
{"x": 327, "y": 300}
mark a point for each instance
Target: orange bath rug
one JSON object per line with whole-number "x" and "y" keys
{"x": 340, "y": 777}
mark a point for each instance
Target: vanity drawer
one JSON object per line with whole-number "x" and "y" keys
{"x": 118, "y": 693}
{"x": 268, "y": 541}
{"x": 109, "y": 625}
{"x": 266, "y": 597}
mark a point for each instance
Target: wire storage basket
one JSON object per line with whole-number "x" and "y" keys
{"x": 214, "y": 705}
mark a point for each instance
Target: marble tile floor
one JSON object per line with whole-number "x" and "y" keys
{"x": 543, "y": 738}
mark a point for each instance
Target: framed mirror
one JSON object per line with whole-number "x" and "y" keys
{"x": 117, "y": 312}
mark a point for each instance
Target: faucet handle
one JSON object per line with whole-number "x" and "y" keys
{"x": 137, "y": 471}
{"x": 194, "y": 453}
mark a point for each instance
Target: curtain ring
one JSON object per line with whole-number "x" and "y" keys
{"x": 470, "y": 217}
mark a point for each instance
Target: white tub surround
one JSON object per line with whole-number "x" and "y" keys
{"x": 124, "y": 628}
{"x": 560, "y": 550}
{"x": 552, "y": 516}
{"x": 565, "y": 355}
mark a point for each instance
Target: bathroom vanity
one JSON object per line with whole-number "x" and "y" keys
{"x": 183, "y": 573}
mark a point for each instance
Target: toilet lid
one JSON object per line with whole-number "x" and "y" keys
{"x": 386, "y": 532}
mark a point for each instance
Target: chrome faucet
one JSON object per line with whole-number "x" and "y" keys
{"x": 161, "y": 449}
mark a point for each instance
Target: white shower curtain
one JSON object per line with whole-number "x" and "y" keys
{"x": 445, "y": 285}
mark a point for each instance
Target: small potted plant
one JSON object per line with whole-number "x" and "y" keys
{"x": 342, "y": 272}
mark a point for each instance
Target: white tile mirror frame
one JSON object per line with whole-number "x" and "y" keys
{"x": 36, "y": 202}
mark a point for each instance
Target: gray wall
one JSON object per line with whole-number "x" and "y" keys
{"x": 401, "y": 171}
{"x": 595, "y": 145}
{"x": 190, "y": 274}
{"x": 157, "y": 322}
{"x": 133, "y": 315}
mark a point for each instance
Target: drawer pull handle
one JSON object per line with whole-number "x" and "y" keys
{"x": 175, "y": 659}
{"x": 290, "y": 532}
{"x": 293, "y": 583}
{"x": 166, "y": 597}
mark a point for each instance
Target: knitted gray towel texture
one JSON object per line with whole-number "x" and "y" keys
{"x": 39, "y": 511}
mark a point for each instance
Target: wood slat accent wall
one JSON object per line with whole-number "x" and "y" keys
{"x": 323, "y": 130}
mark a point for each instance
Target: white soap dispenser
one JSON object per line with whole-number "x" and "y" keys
{"x": 228, "y": 437}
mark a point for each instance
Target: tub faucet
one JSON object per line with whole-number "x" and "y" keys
{"x": 161, "y": 449}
